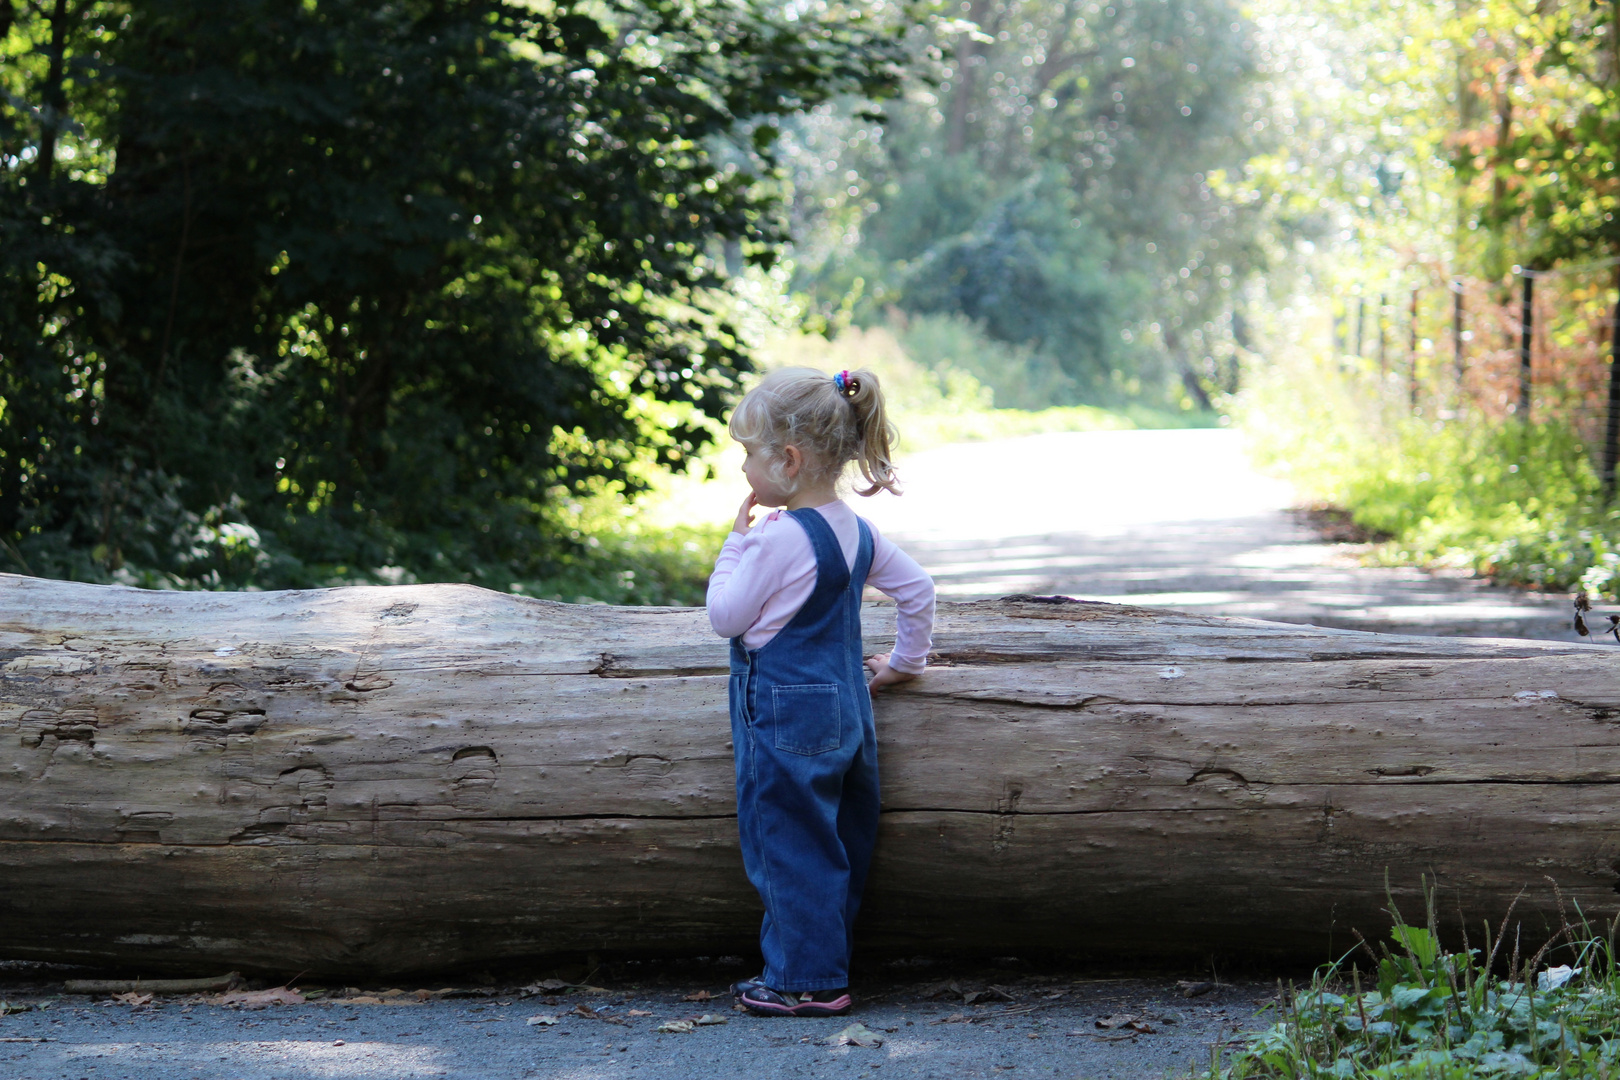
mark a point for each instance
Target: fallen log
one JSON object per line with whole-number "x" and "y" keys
{"x": 383, "y": 780}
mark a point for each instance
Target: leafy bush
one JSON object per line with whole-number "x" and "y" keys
{"x": 1518, "y": 502}
{"x": 299, "y": 292}
{"x": 1426, "y": 1012}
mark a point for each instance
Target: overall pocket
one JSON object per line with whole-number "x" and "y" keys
{"x": 806, "y": 718}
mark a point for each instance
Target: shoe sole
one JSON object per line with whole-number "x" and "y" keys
{"x": 838, "y": 1006}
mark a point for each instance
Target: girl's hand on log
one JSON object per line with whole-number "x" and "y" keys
{"x": 745, "y": 515}
{"x": 884, "y": 675}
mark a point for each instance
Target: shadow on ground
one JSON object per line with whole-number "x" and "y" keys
{"x": 937, "y": 1019}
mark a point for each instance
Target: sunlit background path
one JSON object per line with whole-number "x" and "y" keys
{"x": 1177, "y": 519}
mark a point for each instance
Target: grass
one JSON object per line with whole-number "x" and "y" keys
{"x": 1517, "y": 502}
{"x": 1420, "y": 1011}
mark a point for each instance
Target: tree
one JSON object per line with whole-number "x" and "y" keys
{"x": 298, "y": 290}
{"x": 1058, "y": 180}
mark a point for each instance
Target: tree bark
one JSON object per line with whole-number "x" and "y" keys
{"x": 386, "y": 780}
{"x": 962, "y": 92}
{"x": 53, "y": 98}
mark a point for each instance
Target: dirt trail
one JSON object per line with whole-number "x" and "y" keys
{"x": 1176, "y": 519}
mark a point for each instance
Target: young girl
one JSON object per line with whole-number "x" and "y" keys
{"x": 787, "y": 592}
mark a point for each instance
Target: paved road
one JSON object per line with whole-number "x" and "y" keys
{"x": 1050, "y": 1029}
{"x": 1176, "y": 519}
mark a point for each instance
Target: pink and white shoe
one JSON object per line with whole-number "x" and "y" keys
{"x": 763, "y": 1001}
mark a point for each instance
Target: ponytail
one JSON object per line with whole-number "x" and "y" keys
{"x": 836, "y": 420}
{"x": 874, "y": 435}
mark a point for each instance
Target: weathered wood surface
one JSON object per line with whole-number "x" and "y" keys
{"x": 377, "y": 780}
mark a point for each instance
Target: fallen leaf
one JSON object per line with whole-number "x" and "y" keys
{"x": 1113, "y": 1036}
{"x": 133, "y": 998}
{"x": 940, "y": 990}
{"x": 698, "y": 995}
{"x": 994, "y": 993}
{"x": 545, "y": 986}
{"x": 708, "y": 1019}
{"x": 360, "y": 999}
{"x": 1128, "y": 1021}
{"x": 857, "y": 1034}
{"x": 585, "y": 1010}
{"x": 258, "y": 999}
{"x": 1193, "y": 989}
{"x": 13, "y": 1007}
{"x": 675, "y": 1027}
{"x": 640, "y": 1012}
{"x": 542, "y": 1019}
{"x": 954, "y": 1018}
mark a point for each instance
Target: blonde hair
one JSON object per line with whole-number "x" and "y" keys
{"x": 833, "y": 420}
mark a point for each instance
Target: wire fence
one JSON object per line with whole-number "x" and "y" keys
{"x": 1538, "y": 344}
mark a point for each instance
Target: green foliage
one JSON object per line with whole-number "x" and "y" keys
{"x": 1029, "y": 275}
{"x": 1518, "y": 502}
{"x": 1056, "y": 177}
{"x": 295, "y": 292}
{"x": 1017, "y": 376}
{"x": 1543, "y": 172}
{"x": 1425, "y": 1012}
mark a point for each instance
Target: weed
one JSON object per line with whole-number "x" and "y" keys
{"x": 1422, "y": 1011}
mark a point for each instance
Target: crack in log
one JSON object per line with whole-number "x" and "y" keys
{"x": 1066, "y": 701}
{"x": 1229, "y": 774}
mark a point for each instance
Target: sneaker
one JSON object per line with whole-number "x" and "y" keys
{"x": 743, "y": 986}
{"x": 763, "y": 1001}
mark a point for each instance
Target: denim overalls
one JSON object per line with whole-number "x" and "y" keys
{"x": 807, "y": 776}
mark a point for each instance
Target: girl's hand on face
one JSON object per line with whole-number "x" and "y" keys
{"x": 745, "y": 515}
{"x": 884, "y": 675}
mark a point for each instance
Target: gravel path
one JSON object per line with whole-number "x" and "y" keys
{"x": 1048, "y": 1029}
{"x": 1176, "y": 519}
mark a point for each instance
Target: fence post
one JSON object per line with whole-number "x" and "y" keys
{"x": 1611, "y": 431}
{"x": 1457, "y": 334}
{"x": 1526, "y": 324}
{"x": 1412, "y": 351}
{"x": 1383, "y": 344}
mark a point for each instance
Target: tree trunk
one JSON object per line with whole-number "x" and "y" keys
{"x": 383, "y": 780}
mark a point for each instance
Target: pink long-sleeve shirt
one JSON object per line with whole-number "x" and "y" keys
{"x": 762, "y": 579}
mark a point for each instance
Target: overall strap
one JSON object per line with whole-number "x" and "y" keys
{"x": 832, "y": 575}
{"x": 863, "y": 557}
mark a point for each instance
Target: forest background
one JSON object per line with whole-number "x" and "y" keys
{"x": 307, "y": 292}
